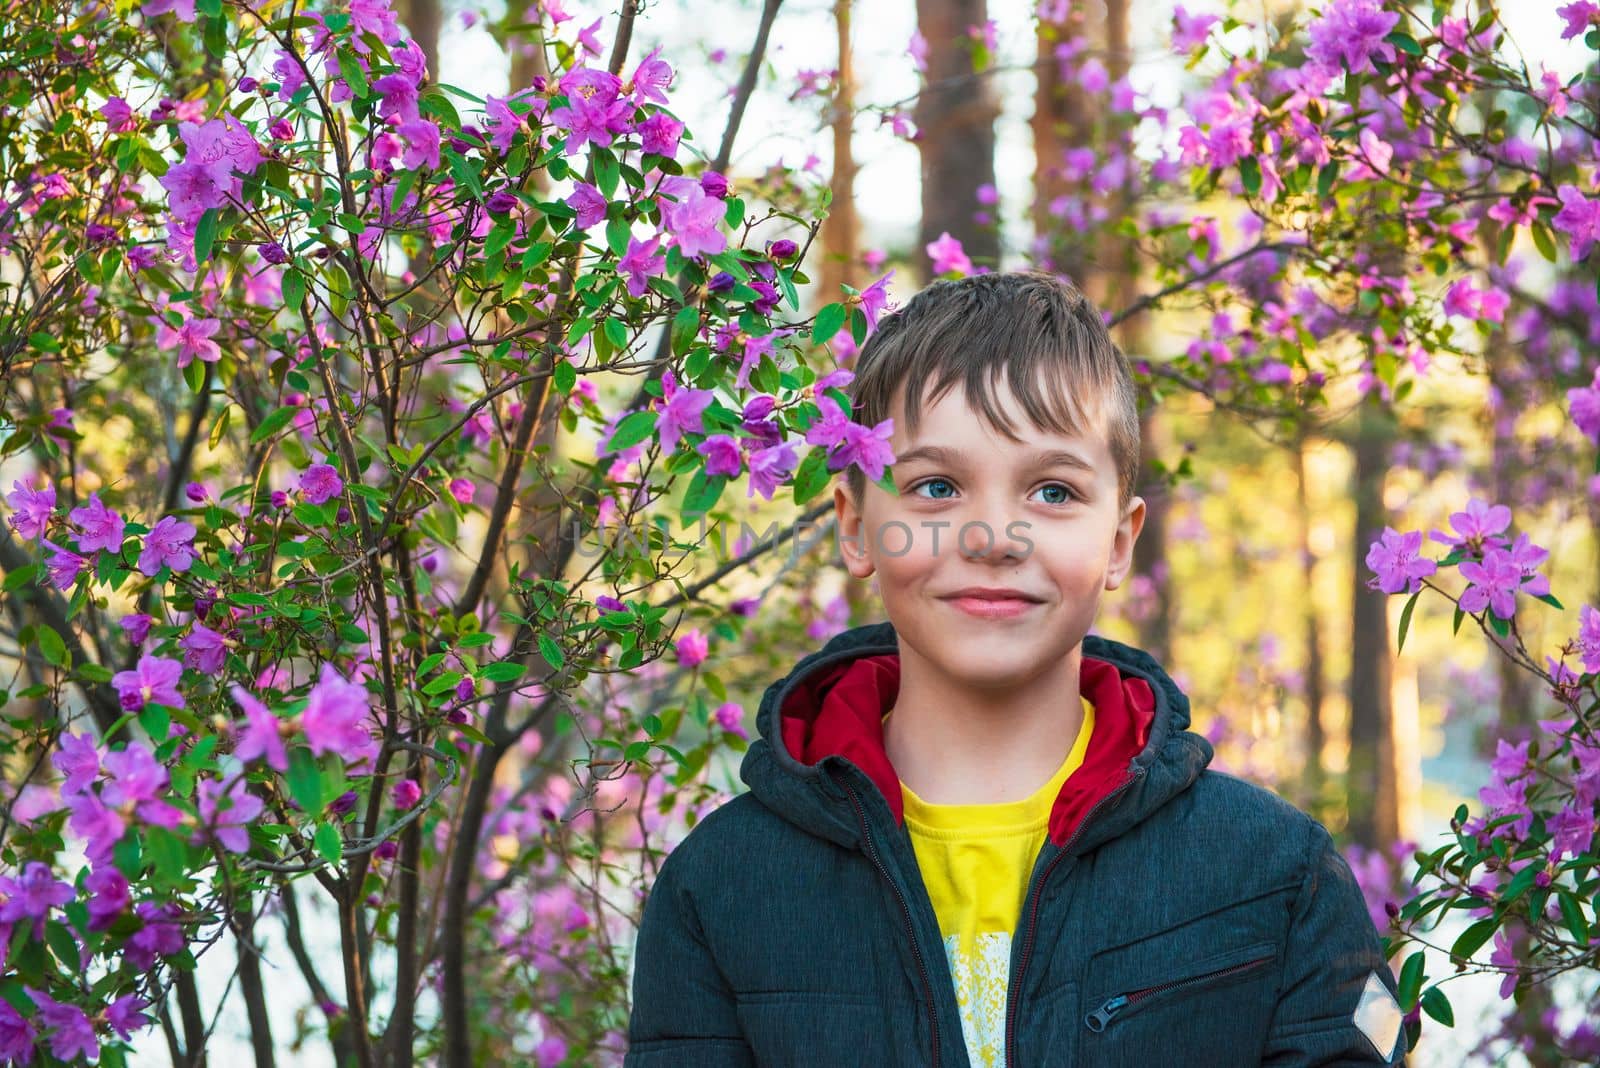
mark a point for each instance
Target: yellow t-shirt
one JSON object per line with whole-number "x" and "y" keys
{"x": 976, "y": 861}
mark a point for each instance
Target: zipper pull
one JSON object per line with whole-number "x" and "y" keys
{"x": 1098, "y": 1019}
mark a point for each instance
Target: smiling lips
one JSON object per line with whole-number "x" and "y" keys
{"x": 988, "y": 602}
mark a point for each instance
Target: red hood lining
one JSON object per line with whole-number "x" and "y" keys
{"x": 839, "y": 710}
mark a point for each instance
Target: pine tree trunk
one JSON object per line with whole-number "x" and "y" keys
{"x": 955, "y": 117}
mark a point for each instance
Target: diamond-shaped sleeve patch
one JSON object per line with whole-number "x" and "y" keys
{"x": 1378, "y": 1016}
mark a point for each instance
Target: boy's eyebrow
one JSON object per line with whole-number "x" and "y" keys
{"x": 1043, "y": 458}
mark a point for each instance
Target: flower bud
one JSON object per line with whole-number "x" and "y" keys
{"x": 501, "y": 202}
{"x": 783, "y": 249}
{"x": 714, "y": 184}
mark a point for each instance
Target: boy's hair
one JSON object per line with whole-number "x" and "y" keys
{"x": 1018, "y": 322}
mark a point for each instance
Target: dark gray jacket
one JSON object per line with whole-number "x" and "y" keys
{"x": 1176, "y": 915}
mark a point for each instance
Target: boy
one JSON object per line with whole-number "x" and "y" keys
{"x": 944, "y": 858}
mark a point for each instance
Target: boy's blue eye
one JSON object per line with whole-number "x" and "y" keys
{"x": 931, "y": 482}
{"x": 1066, "y": 493}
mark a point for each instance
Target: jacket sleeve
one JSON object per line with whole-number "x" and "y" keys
{"x": 1337, "y": 1005}
{"x": 683, "y": 1010}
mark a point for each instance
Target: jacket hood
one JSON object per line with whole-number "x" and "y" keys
{"x": 821, "y": 726}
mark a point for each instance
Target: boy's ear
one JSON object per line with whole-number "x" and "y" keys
{"x": 1122, "y": 544}
{"x": 851, "y": 533}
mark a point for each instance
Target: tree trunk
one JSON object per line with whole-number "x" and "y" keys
{"x": 424, "y": 19}
{"x": 955, "y": 121}
{"x": 1060, "y": 121}
{"x": 1316, "y": 739}
{"x": 1370, "y": 776}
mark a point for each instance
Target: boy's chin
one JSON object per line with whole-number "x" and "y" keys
{"x": 999, "y": 662}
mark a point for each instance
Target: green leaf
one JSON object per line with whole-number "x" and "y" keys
{"x": 1455, "y": 627}
{"x": 734, "y": 215}
{"x": 50, "y": 644}
{"x": 329, "y": 843}
{"x": 551, "y": 652}
{"x": 606, "y": 173}
{"x": 168, "y": 853}
{"x": 156, "y": 722}
{"x": 205, "y": 234}
{"x": 632, "y": 430}
{"x": 1250, "y": 173}
{"x": 617, "y": 233}
{"x": 1325, "y": 179}
{"x": 703, "y": 492}
{"x": 305, "y": 781}
{"x": 827, "y": 323}
{"x": 1405, "y": 619}
{"x": 566, "y": 376}
{"x": 1411, "y": 980}
{"x": 273, "y": 423}
{"x": 216, "y": 37}
{"x": 441, "y": 683}
{"x": 1435, "y": 1004}
{"x": 504, "y": 671}
{"x": 1572, "y": 915}
{"x": 354, "y": 76}
{"x": 616, "y": 332}
{"x": 21, "y": 577}
{"x": 1473, "y": 938}
{"x": 62, "y": 944}
{"x": 294, "y": 289}
{"x": 498, "y": 238}
{"x": 1543, "y": 240}
{"x": 812, "y": 475}
{"x": 1405, "y": 42}
{"x": 685, "y": 325}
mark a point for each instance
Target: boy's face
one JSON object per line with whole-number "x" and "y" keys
{"x": 1044, "y": 526}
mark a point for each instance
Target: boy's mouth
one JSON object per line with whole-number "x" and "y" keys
{"x": 992, "y": 602}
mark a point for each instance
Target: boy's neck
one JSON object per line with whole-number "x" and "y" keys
{"x": 955, "y": 746}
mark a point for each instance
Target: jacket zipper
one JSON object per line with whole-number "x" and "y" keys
{"x": 1033, "y": 916}
{"x": 905, "y": 909}
{"x": 1099, "y": 1018}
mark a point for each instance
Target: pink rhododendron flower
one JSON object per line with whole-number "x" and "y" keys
{"x": 228, "y": 809}
{"x": 183, "y": 10}
{"x": 32, "y": 895}
{"x": 588, "y": 203}
{"x": 917, "y": 49}
{"x": 1349, "y": 33}
{"x": 691, "y": 647}
{"x": 770, "y": 467}
{"x": 260, "y": 738}
{"x": 192, "y": 339}
{"x": 334, "y": 720}
{"x": 594, "y": 113}
{"x": 651, "y": 78}
{"x": 169, "y": 544}
{"x": 78, "y": 758}
{"x": 875, "y": 300}
{"x": 1579, "y": 219}
{"x": 640, "y": 263}
{"x": 1190, "y": 31}
{"x": 722, "y": 456}
{"x": 32, "y": 509}
{"x": 1395, "y": 560}
{"x": 154, "y": 679}
{"x": 948, "y": 255}
{"x": 320, "y": 483}
{"x": 99, "y": 527}
{"x": 694, "y": 219}
{"x": 682, "y": 411}
{"x": 205, "y": 650}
